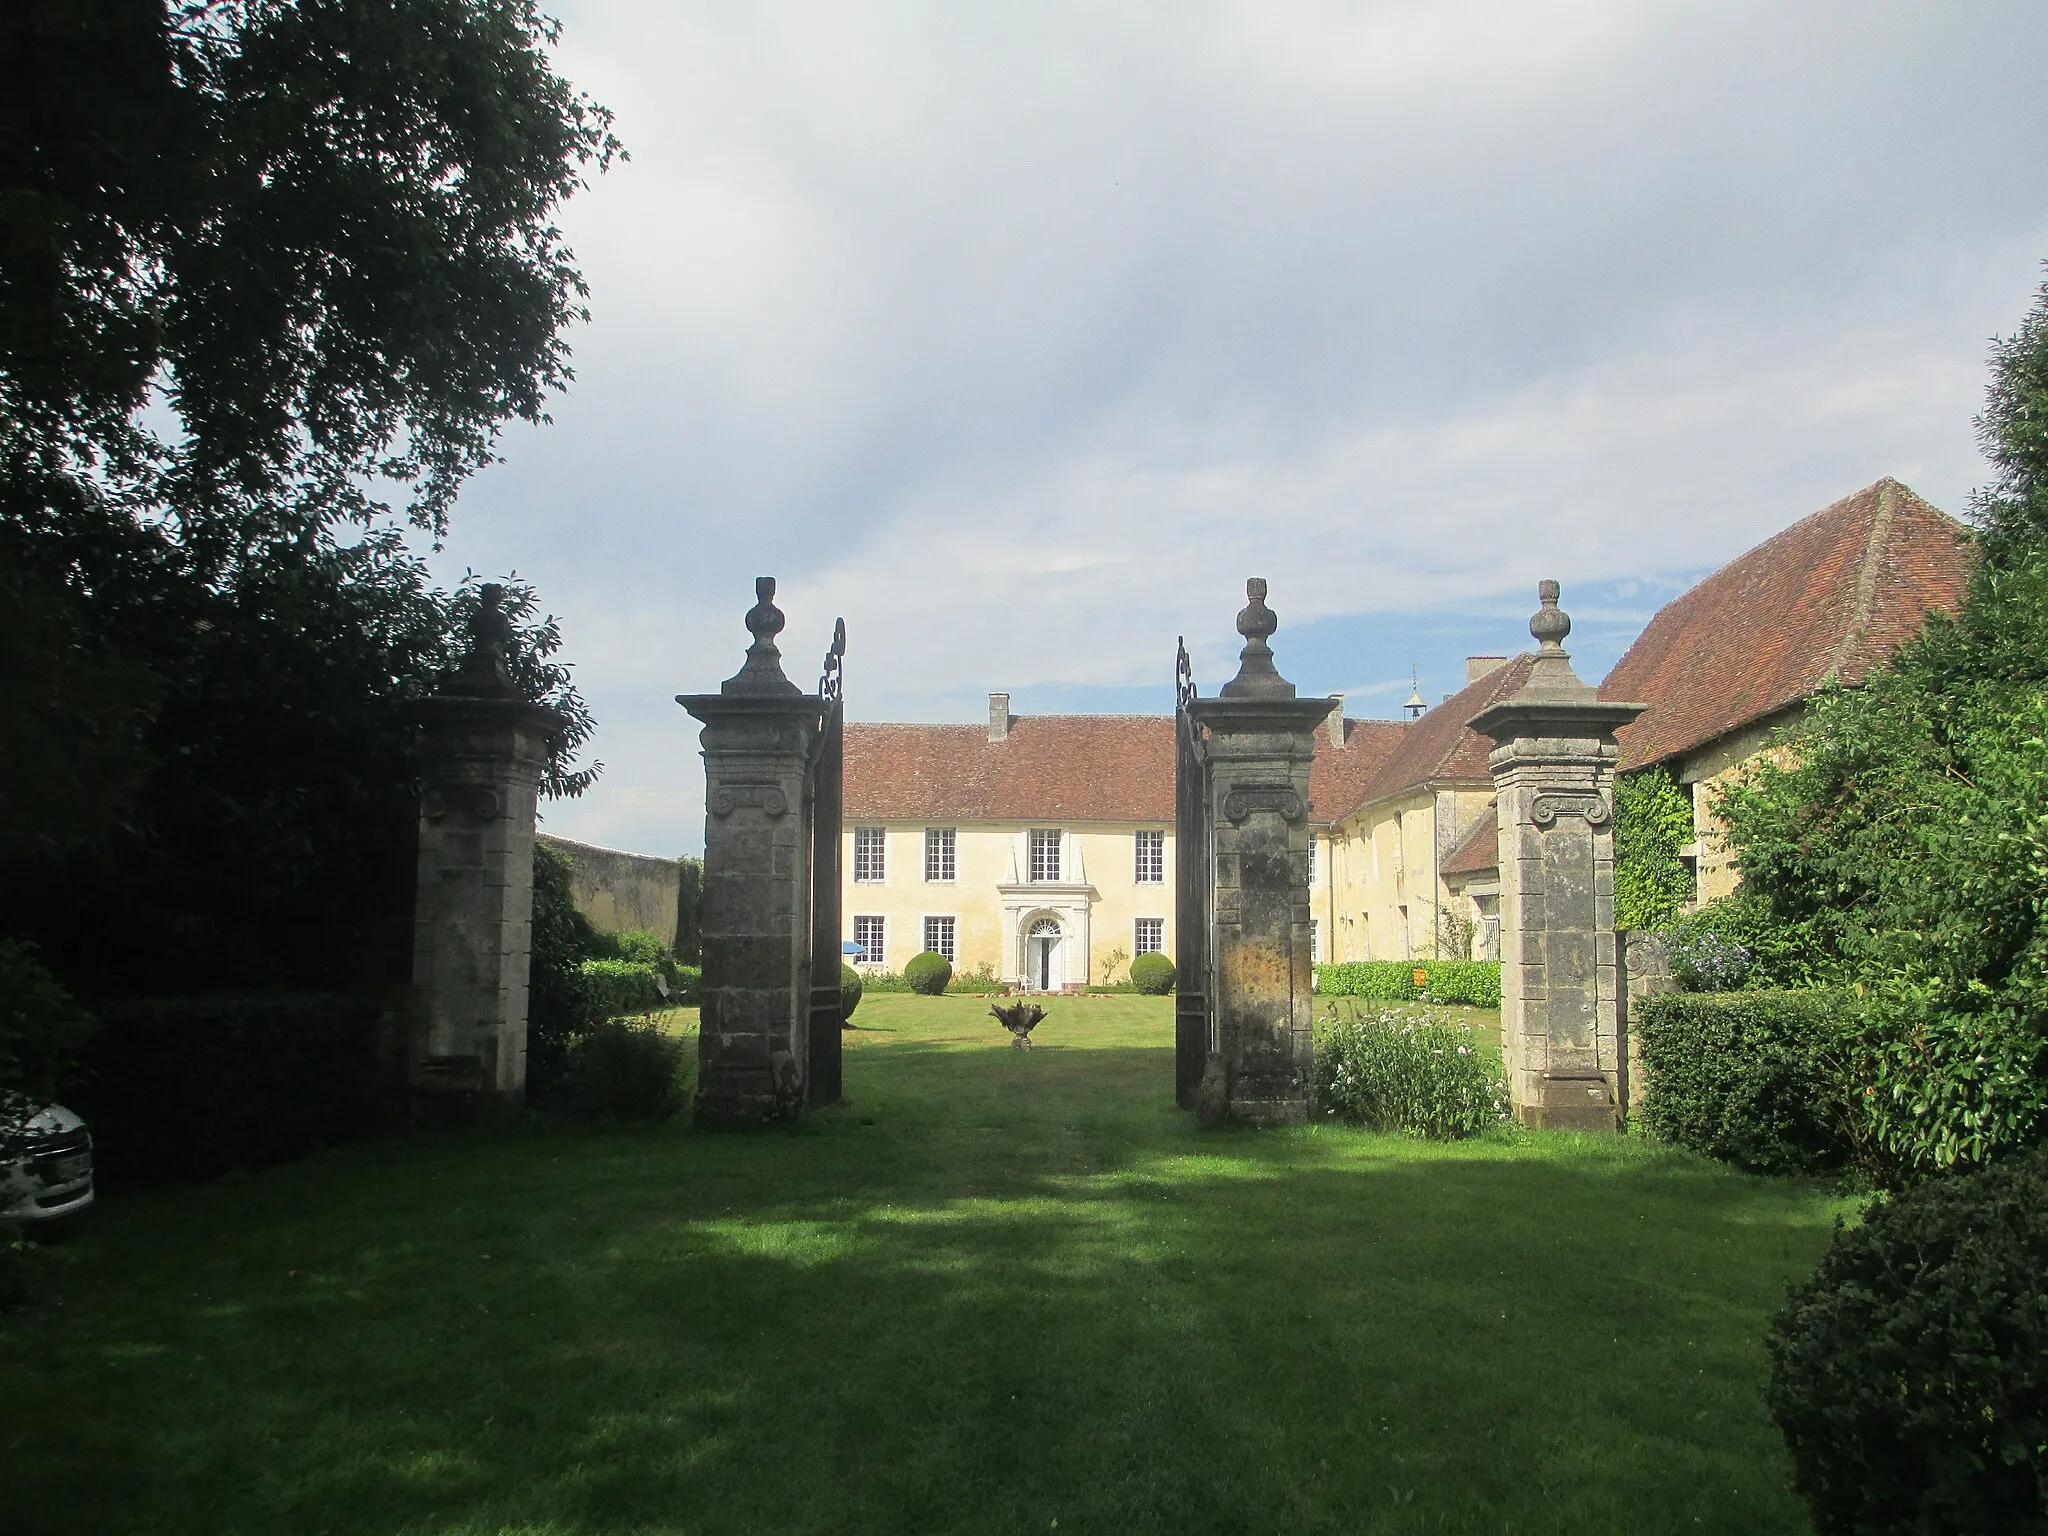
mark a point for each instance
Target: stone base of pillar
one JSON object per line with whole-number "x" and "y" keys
{"x": 1579, "y": 1102}
{"x": 739, "y": 1099}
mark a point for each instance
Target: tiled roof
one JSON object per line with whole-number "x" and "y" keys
{"x": 1830, "y": 596}
{"x": 1481, "y": 849}
{"x": 1062, "y": 768}
{"x": 1440, "y": 747}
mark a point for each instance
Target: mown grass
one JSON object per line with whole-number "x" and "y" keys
{"x": 996, "y": 1291}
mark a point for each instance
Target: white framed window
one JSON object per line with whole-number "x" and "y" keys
{"x": 1150, "y": 938}
{"x": 870, "y": 865}
{"x": 1311, "y": 861}
{"x": 938, "y": 856}
{"x": 938, "y": 935}
{"x": 1045, "y": 853}
{"x": 1151, "y": 858}
{"x": 1315, "y": 942}
{"x": 867, "y": 933}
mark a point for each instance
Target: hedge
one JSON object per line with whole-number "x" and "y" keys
{"x": 1910, "y": 1374}
{"x": 621, "y": 987}
{"x": 190, "y": 1087}
{"x": 1474, "y": 982}
{"x": 1747, "y": 1077}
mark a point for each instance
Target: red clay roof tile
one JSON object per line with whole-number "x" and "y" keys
{"x": 1832, "y": 595}
{"x": 1055, "y": 768}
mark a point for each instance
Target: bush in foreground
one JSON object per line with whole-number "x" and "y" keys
{"x": 1391, "y": 1072}
{"x": 1153, "y": 975}
{"x": 1752, "y": 1078}
{"x": 1910, "y": 1374}
{"x": 928, "y": 973}
{"x": 626, "y": 1071}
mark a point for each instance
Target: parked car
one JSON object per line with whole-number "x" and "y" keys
{"x": 53, "y": 1176}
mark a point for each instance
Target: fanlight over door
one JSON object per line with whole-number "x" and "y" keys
{"x": 1042, "y": 955}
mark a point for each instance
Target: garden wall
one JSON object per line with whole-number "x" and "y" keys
{"x": 621, "y": 892}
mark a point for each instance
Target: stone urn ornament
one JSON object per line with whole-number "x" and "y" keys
{"x": 1019, "y": 1019}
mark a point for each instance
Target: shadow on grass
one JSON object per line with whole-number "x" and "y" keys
{"x": 1025, "y": 1290}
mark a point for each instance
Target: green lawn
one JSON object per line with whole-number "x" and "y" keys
{"x": 996, "y": 1291}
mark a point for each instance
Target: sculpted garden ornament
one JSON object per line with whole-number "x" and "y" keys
{"x": 1019, "y": 1019}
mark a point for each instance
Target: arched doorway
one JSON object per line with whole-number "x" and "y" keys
{"x": 1042, "y": 967}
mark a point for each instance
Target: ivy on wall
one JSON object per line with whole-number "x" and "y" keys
{"x": 1652, "y": 822}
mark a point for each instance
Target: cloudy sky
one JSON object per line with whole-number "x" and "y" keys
{"x": 1020, "y": 334}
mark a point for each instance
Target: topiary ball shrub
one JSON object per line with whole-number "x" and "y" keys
{"x": 849, "y": 993}
{"x": 1152, "y": 975}
{"x": 622, "y": 1071}
{"x": 1910, "y": 1374}
{"x": 928, "y": 973}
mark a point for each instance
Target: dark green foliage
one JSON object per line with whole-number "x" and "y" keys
{"x": 323, "y": 233}
{"x": 689, "y": 985}
{"x": 1152, "y": 974}
{"x": 1652, "y": 821}
{"x": 1475, "y": 983}
{"x": 327, "y": 228}
{"x": 620, "y": 987}
{"x": 1904, "y": 829}
{"x": 1754, "y": 1078}
{"x": 1393, "y": 1072}
{"x": 850, "y": 988}
{"x": 626, "y": 1071}
{"x": 42, "y": 1033}
{"x": 559, "y": 1004}
{"x": 689, "y": 939}
{"x": 189, "y": 1087}
{"x": 1910, "y": 1374}
{"x": 678, "y": 982}
{"x": 928, "y": 973}
{"x": 1741, "y": 941}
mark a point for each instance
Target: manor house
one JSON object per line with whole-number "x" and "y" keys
{"x": 1042, "y": 847}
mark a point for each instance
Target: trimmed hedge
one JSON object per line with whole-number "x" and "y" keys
{"x": 1153, "y": 975}
{"x": 1473, "y": 982}
{"x": 928, "y": 973}
{"x": 850, "y": 988}
{"x": 1910, "y": 1374}
{"x": 189, "y": 1087}
{"x": 1747, "y": 1077}
{"x": 618, "y": 988}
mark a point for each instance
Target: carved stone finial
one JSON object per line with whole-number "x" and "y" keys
{"x": 1551, "y": 623}
{"x": 763, "y": 670}
{"x": 1257, "y": 677}
{"x": 485, "y": 669}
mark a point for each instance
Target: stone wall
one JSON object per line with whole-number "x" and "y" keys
{"x": 621, "y": 892}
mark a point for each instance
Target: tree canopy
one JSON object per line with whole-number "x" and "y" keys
{"x": 274, "y": 274}
{"x": 1907, "y": 827}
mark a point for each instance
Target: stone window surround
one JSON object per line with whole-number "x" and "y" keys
{"x": 1148, "y": 849}
{"x": 1156, "y": 944}
{"x": 1044, "y": 846}
{"x": 944, "y": 927}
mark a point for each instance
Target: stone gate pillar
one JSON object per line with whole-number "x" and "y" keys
{"x": 753, "y": 1042}
{"x": 481, "y": 750}
{"x": 1259, "y": 740}
{"x": 1553, "y": 772}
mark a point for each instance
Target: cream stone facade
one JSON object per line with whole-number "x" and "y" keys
{"x": 1051, "y": 931}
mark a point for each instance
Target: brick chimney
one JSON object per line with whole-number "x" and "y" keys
{"x": 1333, "y": 722}
{"x": 999, "y": 717}
{"x": 1477, "y": 667}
